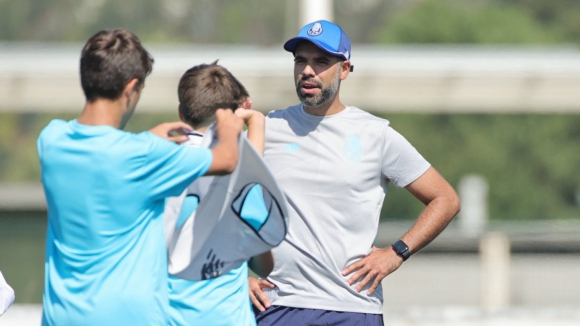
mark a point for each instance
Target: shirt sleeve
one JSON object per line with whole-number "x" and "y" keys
{"x": 170, "y": 168}
{"x": 401, "y": 162}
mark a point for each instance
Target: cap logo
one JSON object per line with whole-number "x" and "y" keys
{"x": 315, "y": 30}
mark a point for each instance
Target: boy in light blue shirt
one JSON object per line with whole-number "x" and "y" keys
{"x": 223, "y": 300}
{"x": 106, "y": 262}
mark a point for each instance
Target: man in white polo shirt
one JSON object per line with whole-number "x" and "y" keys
{"x": 334, "y": 163}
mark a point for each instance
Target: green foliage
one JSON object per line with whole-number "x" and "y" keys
{"x": 18, "y": 159}
{"x": 530, "y": 161}
{"x": 445, "y": 21}
{"x": 199, "y": 21}
{"x": 263, "y": 22}
{"x": 251, "y": 22}
{"x": 560, "y": 15}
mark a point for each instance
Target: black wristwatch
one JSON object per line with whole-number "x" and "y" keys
{"x": 402, "y": 249}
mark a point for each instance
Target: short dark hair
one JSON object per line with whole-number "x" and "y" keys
{"x": 205, "y": 88}
{"x": 109, "y": 60}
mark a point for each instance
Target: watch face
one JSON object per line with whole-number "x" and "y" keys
{"x": 401, "y": 249}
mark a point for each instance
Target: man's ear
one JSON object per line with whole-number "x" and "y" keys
{"x": 344, "y": 69}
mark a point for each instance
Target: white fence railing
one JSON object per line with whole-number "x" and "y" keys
{"x": 44, "y": 77}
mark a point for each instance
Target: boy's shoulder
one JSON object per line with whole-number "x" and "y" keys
{"x": 54, "y": 125}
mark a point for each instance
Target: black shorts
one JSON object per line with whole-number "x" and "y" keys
{"x": 288, "y": 316}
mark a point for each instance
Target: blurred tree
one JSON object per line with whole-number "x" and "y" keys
{"x": 18, "y": 159}
{"x": 201, "y": 21}
{"x": 360, "y": 19}
{"x": 258, "y": 22}
{"x": 561, "y": 15}
{"x": 530, "y": 161}
{"x": 263, "y": 22}
{"x": 447, "y": 21}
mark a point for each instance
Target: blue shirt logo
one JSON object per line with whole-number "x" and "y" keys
{"x": 291, "y": 147}
{"x": 353, "y": 151}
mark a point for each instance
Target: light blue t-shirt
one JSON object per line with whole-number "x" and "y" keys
{"x": 106, "y": 261}
{"x": 220, "y": 301}
{"x": 223, "y": 301}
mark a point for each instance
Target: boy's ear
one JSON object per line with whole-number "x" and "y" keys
{"x": 246, "y": 104}
{"x": 180, "y": 112}
{"x": 131, "y": 87}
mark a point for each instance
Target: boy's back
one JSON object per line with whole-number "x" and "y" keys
{"x": 218, "y": 301}
{"x": 105, "y": 190}
{"x": 222, "y": 300}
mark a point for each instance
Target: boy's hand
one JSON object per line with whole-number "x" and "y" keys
{"x": 227, "y": 123}
{"x": 250, "y": 117}
{"x": 172, "y": 131}
{"x": 257, "y": 295}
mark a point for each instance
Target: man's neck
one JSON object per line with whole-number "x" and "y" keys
{"x": 103, "y": 112}
{"x": 325, "y": 109}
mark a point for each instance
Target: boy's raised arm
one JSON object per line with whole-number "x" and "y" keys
{"x": 226, "y": 152}
{"x": 255, "y": 121}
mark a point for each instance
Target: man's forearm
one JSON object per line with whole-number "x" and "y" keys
{"x": 431, "y": 222}
{"x": 442, "y": 204}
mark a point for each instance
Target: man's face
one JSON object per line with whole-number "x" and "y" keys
{"x": 317, "y": 75}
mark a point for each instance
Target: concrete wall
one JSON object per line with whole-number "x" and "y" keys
{"x": 438, "y": 280}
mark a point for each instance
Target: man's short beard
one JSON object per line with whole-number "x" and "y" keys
{"x": 326, "y": 93}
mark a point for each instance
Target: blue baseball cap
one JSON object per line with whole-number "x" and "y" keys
{"x": 328, "y": 36}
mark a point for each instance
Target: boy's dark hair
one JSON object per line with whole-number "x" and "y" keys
{"x": 205, "y": 88}
{"x": 109, "y": 60}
